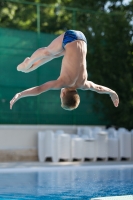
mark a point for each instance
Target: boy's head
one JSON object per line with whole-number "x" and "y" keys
{"x": 69, "y": 98}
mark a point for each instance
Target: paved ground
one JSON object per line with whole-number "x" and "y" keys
{"x": 51, "y": 164}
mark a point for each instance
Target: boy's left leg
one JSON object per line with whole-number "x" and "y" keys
{"x": 23, "y": 67}
{"x": 46, "y": 53}
{"x": 34, "y": 66}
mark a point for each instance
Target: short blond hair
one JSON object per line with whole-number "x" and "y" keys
{"x": 71, "y": 100}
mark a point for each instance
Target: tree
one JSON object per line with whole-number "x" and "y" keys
{"x": 109, "y": 32}
{"x": 24, "y": 16}
{"x": 110, "y": 54}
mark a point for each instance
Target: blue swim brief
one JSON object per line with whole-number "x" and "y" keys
{"x": 72, "y": 35}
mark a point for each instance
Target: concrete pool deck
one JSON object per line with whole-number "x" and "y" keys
{"x": 5, "y": 165}
{"x": 126, "y": 197}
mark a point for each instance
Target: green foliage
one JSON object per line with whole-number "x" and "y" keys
{"x": 111, "y": 64}
{"x": 24, "y": 16}
{"x": 110, "y": 43}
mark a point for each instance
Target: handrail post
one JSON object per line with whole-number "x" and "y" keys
{"x": 38, "y": 38}
{"x": 38, "y": 19}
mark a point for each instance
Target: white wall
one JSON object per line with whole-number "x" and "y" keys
{"x": 19, "y": 142}
{"x": 21, "y": 136}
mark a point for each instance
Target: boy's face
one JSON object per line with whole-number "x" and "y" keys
{"x": 62, "y": 92}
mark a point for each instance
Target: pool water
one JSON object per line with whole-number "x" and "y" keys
{"x": 70, "y": 182}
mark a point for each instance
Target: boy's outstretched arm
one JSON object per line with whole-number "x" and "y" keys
{"x": 102, "y": 90}
{"x": 51, "y": 85}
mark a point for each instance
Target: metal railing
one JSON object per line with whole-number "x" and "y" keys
{"x": 59, "y": 7}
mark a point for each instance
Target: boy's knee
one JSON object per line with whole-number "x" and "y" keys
{"x": 47, "y": 52}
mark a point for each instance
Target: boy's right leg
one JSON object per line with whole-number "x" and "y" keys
{"x": 34, "y": 66}
{"x": 24, "y": 67}
{"x": 46, "y": 53}
{"x": 40, "y": 62}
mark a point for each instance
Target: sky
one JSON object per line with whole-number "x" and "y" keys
{"x": 126, "y": 1}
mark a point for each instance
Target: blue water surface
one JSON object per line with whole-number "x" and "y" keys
{"x": 70, "y": 182}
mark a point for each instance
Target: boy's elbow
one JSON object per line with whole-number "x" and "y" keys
{"x": 100, "y": 89}
{"x": 38, "y": 90}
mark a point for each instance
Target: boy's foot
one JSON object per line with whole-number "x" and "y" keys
{"x": 24, "y": 65}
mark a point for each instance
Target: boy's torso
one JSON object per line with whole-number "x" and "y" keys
{"x": 73, "y": 68}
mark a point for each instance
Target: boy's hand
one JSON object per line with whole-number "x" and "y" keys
{"x": 15, "y": 98}
{"x": 115, "y": 98}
